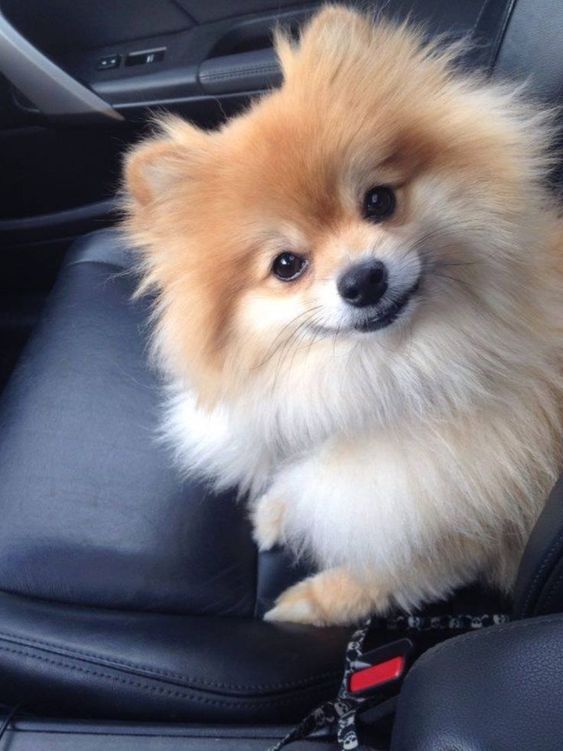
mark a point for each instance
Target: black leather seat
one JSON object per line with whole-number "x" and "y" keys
{"x": 495, "y": 690}
{"x": 116, "y": 577}
{"x": 125, "y": 592}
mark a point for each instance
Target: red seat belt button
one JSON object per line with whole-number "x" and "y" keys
{"x": 376, "y": 675}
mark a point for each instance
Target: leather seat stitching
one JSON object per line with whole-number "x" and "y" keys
{"x": 480, "y": 15}
{"x": 98, "y": 262}
{"x": 501, "y": 31}
{"x": 148, "y": 687}
{"x": 166, "y": 674}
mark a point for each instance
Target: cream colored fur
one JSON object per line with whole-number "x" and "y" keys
{"x": 404, "y": 462}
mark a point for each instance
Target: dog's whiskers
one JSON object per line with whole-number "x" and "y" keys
{"x": 273, "y": 348}
{"x": 292, "y": 342}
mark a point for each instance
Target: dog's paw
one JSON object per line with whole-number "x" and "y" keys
{"x": 297, "y": 605}
{"x": 267, "y": 518}
{"x": 330, "y": 598}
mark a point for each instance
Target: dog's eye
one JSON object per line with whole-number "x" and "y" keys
{"x": 289, "y": 266}
{"x": 379, "y": 203}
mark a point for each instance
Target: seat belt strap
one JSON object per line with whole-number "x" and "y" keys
{"x": 368, "y": 674}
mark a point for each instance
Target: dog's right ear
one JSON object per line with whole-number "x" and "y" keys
{"x": 323, "y": 40}
{"x": 158, "y": 163}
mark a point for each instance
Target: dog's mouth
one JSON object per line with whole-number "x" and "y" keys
{"x": 388, "y": 314}
{"x": 378, "y": 319}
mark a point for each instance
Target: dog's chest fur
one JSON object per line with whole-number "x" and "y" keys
{"x": 379, "y": 498}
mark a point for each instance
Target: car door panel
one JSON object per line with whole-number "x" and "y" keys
{"x": 67, "y": 117}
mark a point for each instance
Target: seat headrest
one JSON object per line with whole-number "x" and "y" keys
{"x": 539, "y": 588}
{"x": 532, "y": 47}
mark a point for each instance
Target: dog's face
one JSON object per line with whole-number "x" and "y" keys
{"x": 379, "y": 202}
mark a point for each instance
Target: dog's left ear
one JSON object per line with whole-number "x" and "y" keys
{"x": 158, "y": 163}
{"x": 286, "y": 50}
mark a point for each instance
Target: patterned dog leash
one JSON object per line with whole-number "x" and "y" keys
{"x": 367, "y": 673}
{"x": 337, "y": 716}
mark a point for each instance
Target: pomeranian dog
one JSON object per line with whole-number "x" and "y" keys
{"x": 358, "y": 309}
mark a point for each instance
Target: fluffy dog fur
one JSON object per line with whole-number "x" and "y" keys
{"x": 407, "y": 461}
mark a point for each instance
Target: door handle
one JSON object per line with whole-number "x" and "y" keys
{"x": 48, "y": 87}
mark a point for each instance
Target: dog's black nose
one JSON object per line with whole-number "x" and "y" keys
{"x": 363, "y": 284}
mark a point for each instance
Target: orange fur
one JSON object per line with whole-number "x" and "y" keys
{"x": 443, "y": 394}
{"x": 330, "y": 598}
{"x": 220, "y": 196}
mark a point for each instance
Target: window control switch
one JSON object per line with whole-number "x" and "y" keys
{"x": 108, "y": 62}
{"x": 145, "y": 57}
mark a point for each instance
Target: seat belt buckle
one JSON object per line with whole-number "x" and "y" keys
{"x": 379, "y": 668}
